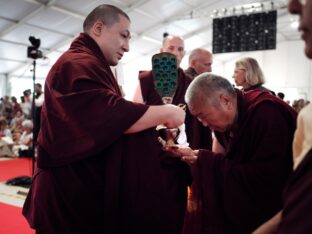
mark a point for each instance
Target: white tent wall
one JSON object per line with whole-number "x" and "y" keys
{"x": 4, "y": 85}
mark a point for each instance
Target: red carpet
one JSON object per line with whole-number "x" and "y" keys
{"x": 15, "y": 167}
{"x": 11, "y": 219}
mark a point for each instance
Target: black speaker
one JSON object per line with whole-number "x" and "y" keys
{"x": 248, "y": 32}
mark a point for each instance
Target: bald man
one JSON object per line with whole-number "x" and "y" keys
{"x": 200, "y": 61}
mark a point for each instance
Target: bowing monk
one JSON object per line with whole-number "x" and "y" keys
{"x": 236, "y": 191}
{"x": 100, "y": 166}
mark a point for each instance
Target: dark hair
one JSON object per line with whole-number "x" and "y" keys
{"x": 108, "y": 14}
{"x": 27, "y": 92}
{"x": 281, "y": 95}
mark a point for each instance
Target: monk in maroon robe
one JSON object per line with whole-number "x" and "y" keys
{"x": 197, "y": 135}
{"x": 295, "y": 216}
{"x": 236, "y": 191}
{"x": 100, "y": 166}
{"x": 297, "y": 208}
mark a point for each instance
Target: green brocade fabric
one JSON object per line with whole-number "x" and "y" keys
{"x": 165, "y": 74}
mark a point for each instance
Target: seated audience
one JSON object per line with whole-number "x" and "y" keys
{"x": 23, "y": 143}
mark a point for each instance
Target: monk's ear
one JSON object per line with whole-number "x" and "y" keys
{"x": 97, "y": 28}
{"x": 225, "y": 101}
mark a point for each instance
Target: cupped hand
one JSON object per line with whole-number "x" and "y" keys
{"x": 185, "y": 153}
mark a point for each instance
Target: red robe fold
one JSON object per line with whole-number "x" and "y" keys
{"x": 238, "y": 191}
{"x": 91, "y": 178}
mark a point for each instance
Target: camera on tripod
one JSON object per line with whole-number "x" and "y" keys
{"x": 33, "y": 51}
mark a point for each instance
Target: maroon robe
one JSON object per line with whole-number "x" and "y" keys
{"x": 191, "y": 73}
{"x": 297, "y": 208}
{"x": 240, "y": 190}
{"x": 259, "y": 87}
{"x": 197, "y": 135}
{"x": 91, "y": 177}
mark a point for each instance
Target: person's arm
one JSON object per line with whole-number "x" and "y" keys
{"x": 138, "y": 94}
{"x": 169, "y": 115}
{"x": 270, "y": 226}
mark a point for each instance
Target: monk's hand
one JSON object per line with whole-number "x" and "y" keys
{"x": 176, "y": 117}
{"x": 190, "y": 158}
{"x": 185, "y": 153}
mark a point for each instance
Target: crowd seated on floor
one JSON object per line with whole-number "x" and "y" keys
{"x": 16, "y": 127}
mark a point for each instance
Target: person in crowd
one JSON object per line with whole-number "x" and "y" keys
{"x": 23, "y": 142}
{"x": 17, "y": 129}
{"x": 39, "y": 98}
{"x": 297, "y": 207}
{"x": 101, "y": 168}
{"x": 15, "y": 106}
{"x": 5, "y": 138}
{"x": 236, "y": 191}
{"x": 248, "y": 75}
{"x": 27, "y": 95}
{"x": 281, "y": 95}
{"x": 200, "y": 61}
{"x": 197, "y": 135}
{"x": 7, "y": 108}
{"x": 4, "y": 128}
{"x": 299, "y": 104}
{"x": 26, "y": 107}
{"x": 18, "y": 116}
{"x": 16, "y": 126}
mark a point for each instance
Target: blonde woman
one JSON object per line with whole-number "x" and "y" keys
{"x": 248, "y": 75}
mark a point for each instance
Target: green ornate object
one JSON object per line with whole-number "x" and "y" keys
{"x": 165, "y": 74}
